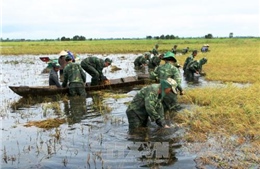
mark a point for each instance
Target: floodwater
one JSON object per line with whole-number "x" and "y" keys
{"x": 90, "y": 138}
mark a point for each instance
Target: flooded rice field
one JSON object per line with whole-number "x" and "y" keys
{"x": 91, "y": 136}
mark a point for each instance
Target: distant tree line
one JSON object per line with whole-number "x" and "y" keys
{"x": 82, "y": 38}
{"x": 163, "y": 37}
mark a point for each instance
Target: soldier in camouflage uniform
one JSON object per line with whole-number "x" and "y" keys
{"x": 148, "y": 103}
{"x": 155, "y": 61}
{"x": 155, "y": 50}
{"x": 94, "y": 67}
{"x": 142, "y": 60}
{"x": 189, "y": 59}
{"x": 76, "y": 77}
{"x": 174, "y": 49}
{"x": 194, "y": 67}
{"x": 165, "y": 71}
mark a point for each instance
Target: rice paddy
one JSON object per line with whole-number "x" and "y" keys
{"x": 218, "y": 126}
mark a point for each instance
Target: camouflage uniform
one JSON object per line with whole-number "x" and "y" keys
{"x": 163, "y": 72}
{"x": 188, "y": 60}
{"x": 140, "y": 61}
{"x": 154, "y": 62}
{"x": 174, "y": 49}
{"x": 146, "y": 103}
{"x": 193, "y": 67}
{"x": 76, "y": 77}
{"x": 94, "y": 67}
{"x": 155, "y": 50}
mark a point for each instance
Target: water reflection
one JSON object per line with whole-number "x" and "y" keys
{"x": 75, "y": 109}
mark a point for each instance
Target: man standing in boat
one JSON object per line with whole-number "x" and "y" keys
{"x": 75, "y": 76}
{"x": 53, "y": 76}
{"x": 94, "y": 67}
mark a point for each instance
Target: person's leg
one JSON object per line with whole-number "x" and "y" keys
{"x": 134, "y": 120}
{"x": 80, "y": 90}
{"x": 95, "y": 80}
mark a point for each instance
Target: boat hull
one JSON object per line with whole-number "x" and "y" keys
{"x": 32, "y": 91}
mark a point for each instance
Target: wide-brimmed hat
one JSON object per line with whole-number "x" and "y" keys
{"x": 63, "y": 53}
{"x": 169, "y": 56}
{"x": 147, "y": 54}
{"x": 168, "y": 83}
{"x": 203, "y": 61}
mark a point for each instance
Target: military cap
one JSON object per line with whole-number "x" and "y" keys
{"x": 108, "y": 60}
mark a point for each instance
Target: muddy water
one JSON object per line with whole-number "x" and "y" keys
{"x": 90, "y": 138}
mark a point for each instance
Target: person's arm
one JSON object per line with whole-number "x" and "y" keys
{"x": 177, "y": 78}
{"x": 65, "y": 75}
{"x": 54, "y": 78}
{"x": 155, "y": 109}
{"x": 83, "y": 74}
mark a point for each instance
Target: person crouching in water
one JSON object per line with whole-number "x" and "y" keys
{"x": 94, "y": 67}
{"x": 53, "y": 76}
{"x": 195, "y": 67}
{"x": 148, "y": 103}
{"x": 75, "y": 76}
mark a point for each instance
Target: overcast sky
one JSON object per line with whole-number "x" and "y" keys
{"x": 40, "y": 19}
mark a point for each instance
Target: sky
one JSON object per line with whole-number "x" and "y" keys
{"x": 52, "y": 19}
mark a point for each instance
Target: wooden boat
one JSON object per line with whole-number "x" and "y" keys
{"x": 33, "y": 91}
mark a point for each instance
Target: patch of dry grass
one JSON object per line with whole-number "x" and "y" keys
{"x": 229, "y": 110}
{"x": 46, "y": 124}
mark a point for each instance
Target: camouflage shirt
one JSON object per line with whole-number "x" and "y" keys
{"x": 140, "y": 60}
{"x": 165, "y": 71}
{"x": 187, "y": 61}
{"x": 154, "y": 62}
{"x": 73, "y": 73}
{"x": 194, "y": 66}
{"x": 155, "y": 52}
{"x": 147, "y": 100}
{"x": 97, "y": 63}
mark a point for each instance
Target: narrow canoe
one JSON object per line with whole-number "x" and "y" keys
{"x": 33, "y": 91}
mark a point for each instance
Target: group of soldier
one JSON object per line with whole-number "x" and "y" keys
{"x": 74, "y": 76}
{"x": 152, "y": 101}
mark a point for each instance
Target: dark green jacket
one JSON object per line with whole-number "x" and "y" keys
{"x": 154, "y": 62}
{"x": 155, "y": 52}
{"x": 140, "y": 60}
{"x": 165, "y": 71}
{"x": 148, "y": 101}
{"x": 97, "y": 63}
{"x": 73, "y": 73}
{"x": 187, "y": 61}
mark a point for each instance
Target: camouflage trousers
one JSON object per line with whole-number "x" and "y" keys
{"x": 95, "y": 80}
{"x": 136, "y": 119}
{"x": 77, "y": 89}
